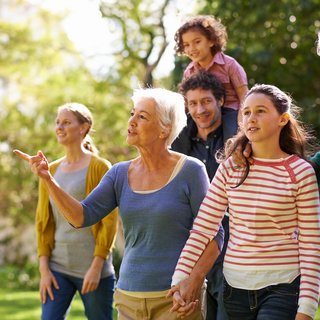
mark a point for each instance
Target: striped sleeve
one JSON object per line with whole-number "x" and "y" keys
{"x": 205, "y": 227}
{"x": 309, "y": 239}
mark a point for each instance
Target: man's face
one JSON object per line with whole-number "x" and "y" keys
{"x": 204, "y": 109}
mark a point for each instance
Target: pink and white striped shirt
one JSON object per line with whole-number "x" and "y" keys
{"x": 274, "y": 224}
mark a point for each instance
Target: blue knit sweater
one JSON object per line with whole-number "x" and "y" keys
{"x": 156, "y": 225}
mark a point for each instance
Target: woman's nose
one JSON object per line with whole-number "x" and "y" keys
{"x": 131, "y": 121}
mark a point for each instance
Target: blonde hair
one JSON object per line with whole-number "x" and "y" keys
{"x": 83, "y": 115}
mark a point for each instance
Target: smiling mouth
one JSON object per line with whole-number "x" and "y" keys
{"x": 253, "y": 129}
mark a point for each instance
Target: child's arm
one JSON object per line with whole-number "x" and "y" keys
{"x": 241, "y": 92}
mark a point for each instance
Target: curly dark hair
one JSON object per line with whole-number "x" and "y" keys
{"x": 204, "y": 80}
{"x": 209, "y": 26}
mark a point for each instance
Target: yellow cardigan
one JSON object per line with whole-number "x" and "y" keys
{"x": 104, "y": 231}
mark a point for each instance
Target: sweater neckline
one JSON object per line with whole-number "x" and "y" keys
{"x": 275, "y": 162}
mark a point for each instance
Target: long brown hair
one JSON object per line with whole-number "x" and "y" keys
{"x": 294, "y": 136}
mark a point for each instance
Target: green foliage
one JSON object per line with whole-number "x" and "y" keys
{"x": 40, "y": 70}
{"x": 142, "y": 37}
{"x": 275, "y": 42}
{"x": 15, "y": 277}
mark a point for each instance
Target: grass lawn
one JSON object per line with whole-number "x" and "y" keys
{"x": 25, "y": 305}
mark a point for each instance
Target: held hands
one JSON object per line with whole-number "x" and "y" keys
{"x": 38, "y": 163}
{"x": 186, "y": 297}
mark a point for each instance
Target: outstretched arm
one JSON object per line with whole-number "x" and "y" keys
{"x": 70, "y": 207}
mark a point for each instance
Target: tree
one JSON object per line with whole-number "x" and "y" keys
{"x": 275, "y": 43}
{"x": 143, "y": 39}
{"x": 40, "y": 70}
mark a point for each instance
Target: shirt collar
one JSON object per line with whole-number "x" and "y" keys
{"x": 217, "y": 132}
{"x": 218, "y": 59}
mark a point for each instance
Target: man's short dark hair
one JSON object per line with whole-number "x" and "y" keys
{"x": 204, "y": 80}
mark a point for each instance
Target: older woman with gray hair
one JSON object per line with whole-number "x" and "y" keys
{"x": 158, "y": 194}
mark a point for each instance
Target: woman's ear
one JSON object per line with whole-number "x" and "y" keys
{"x": 284, "y": 119}
{"x": 85, "y": 128}
{"x": 164, "y": 133}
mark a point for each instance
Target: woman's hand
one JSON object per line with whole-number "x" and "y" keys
{"x": 47, "y": 280}
{"x": 186, "y": 296}
{"x": 189, "y": 289}
{"x": 93, "y": 275}
{"x": 91, "y": 280}
{"x": 182, "y": 308}
{"x": 39, "y": 163}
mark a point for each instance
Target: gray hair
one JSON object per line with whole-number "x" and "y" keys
{"x": 170, "y": 107}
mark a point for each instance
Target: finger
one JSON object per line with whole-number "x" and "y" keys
{"x": 41, "y": 155}
{"x": 192, "y": 309}
{"x": 50, "y": 294}
{"x": 172, "y": 291}
{"x": 85, "y": 287}
{"x": 176, "y": 307}
{"x": 22, "y": 155}
{"x": 178, "y": 299}
{"x": 55, "y": 283}
{"x": 43, "y": 296}
{"x": 187, "y": 310}
{"x": 247, "y": 150}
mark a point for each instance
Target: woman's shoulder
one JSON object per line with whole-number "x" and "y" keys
{"x": 193, "y": 164}
{"x": 120, "y": 168}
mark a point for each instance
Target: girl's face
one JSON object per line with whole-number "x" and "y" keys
{"x": 197, "y": 47}
{"x": 261, "y": 121}
{"x": 68, "y": 128}
{"x": 143, "y": 126}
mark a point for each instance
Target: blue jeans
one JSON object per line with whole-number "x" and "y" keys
{"x": 97, "y": 304}
{"x": 229, "y": 122}
{"x": 276, "y": 302}
{"x": 215, "y": 306}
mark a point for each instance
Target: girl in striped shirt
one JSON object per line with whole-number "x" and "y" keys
{"x": 272, "y": 263}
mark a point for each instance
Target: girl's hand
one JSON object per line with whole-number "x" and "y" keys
{"x": 181, "y": 303}
{"x": 47, "y": 280}
{"x": 39, "y": 163}
{"x": 302, "y": 316}
{"x": 182, "y": 308}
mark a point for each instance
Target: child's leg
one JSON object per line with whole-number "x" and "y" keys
{"x": 280, "y": 302}
{"x": 277, "y": 302}
{"x": 239, "y": 303}
{"x": 229, "y": 122}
